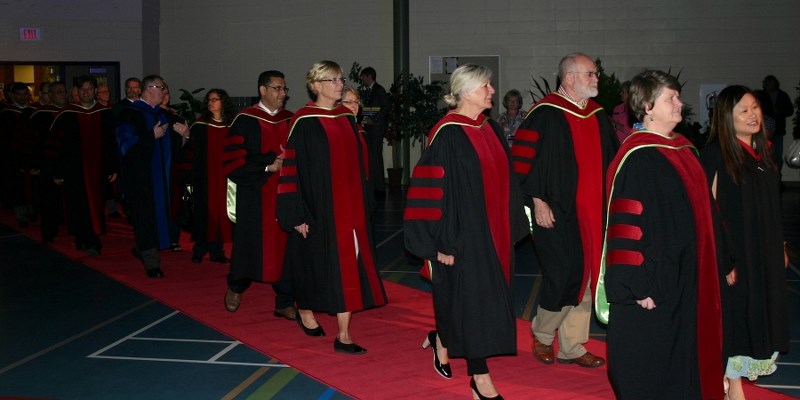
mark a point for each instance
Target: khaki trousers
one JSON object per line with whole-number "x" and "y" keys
{"x": 572, "y": 324}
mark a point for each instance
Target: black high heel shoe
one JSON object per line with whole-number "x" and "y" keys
{"x": 476, "y": 392}
{"x": 309, "y": 331}
{"x": 442, "y": 369}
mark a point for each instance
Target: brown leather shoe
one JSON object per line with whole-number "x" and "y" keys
{"x": 289, "y": 313}
{"x": 587, "y": 360}
{"x": 232, "y": 300}
{"x": 542, "y": 352}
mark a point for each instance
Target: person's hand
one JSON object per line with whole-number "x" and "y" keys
{"x": 35, "y": 172}
{"x": 445, "y": 259}
{"x": 647, "y": 303}
{"x": 731, "y": 277}
{"x": 542, "y": 214}
{"x": 302, "y": 229}
{"x": 159, "y": 130}
{"x": 182, "y": 129}
{"x": 58, "y": 181}
{"x": 112, "y": 177}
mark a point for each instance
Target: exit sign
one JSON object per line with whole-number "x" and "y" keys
{"x": 30, "y": 34}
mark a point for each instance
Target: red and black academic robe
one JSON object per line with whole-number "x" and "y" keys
{"x": 16, "y": 142}
{"x": 463, "y": 201}
{"x": 86, "y": 158}
{"x": 660, "y": 243}
{"x": 50, "y": 199}
{"x": 207, "y": 144}
{"x": 560, "y": 154}
{"x": 755, "y": 311}
{"x": 254, "y": 141}
{"x": 323, "y": 183}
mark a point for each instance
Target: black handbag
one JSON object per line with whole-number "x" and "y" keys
{"x": 186, "y": 211}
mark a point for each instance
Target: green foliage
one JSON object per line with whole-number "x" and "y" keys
{"x": 355, "y": 77}
{"x": 608, "y": 87}
{"x": 191, "y": 107}
{"x": 542, "y": 89}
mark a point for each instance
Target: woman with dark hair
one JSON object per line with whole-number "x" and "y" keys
{"x": 464, "y": 213}
{"x": 210, "y": 225}
{"x": 746, "y": 185}
{"x": 513, "y": 116}
{"x": 659, "y": 264}
{"x": 324, "y": 201}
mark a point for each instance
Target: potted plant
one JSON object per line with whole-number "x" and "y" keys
{"x": 415, "y": 110}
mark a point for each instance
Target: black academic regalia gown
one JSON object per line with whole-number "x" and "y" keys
{"x": 146, "y": 173}
{"x": 660, "y": 244}
{"x": 86, "y": 157}
{"x": 210, "y": 221}
{"x": 254, "y": 141}
{"x": 16, "y": 139}
{"x": 323, "y": 183}
{"x": 50, "y": 199}
{"x": 551, "y": 164}
{"x": 463, "y": 201}
{"x": 754, "y": 310}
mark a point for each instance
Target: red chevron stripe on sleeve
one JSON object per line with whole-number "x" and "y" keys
{"x": 626, "y": 257}
{"x": 428, "y": 171}
{"x": 626, "y": 206}
{"x": 624, "y": 231}
{"x": 425, "y": 193}
{"x": 426, "y": 214}
{"x": 526, "y": 135}
{"x": 287, "y": 188}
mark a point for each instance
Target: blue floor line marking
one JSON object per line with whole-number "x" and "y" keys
{"x": 327, "y": 394}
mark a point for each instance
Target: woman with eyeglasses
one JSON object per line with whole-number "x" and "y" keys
{"x": 659, "y": 264}
{"x": 352, "y": 100}
{"x": 464, "y": 213}
{"x": 324, "y": 202}
{"x": 203, "y": 149}
{"x": 746, "y": 185}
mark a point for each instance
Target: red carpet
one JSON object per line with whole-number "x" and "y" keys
{"x": 396, "y": 367}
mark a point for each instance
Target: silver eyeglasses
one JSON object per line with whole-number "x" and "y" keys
{"x": 334, "y": 80}
{"x": 588, "y": 74}
{"x": 283, "y": 89}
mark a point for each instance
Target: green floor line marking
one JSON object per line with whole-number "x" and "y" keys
{"x": 274, "y": 385}
{"x": 245, "y": 384}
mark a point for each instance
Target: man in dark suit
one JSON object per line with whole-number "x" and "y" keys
{"x": 375, "y": 121}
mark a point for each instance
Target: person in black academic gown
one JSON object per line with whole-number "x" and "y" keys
{"x": 324, "y": 201}
{"x": 86, "y": 159}
{"x": 659, "y": 270}
{"x": 210, "y": 225}
{"x": 148, "y": 143}
{"x": 745, "y": 182}
{"x": 50, "y": 205}
{"x": 463, "y": 215}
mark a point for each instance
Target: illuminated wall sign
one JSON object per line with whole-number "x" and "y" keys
{"x": 30, "y": 34}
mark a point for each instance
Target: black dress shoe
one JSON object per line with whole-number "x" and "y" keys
{"x": 220, "y": 259}
{"x": 197, "y": 259}
{"x": 318, "y": 331}
{"x": 477, "y": 393}
{"x": 442, "y": 369}
{"x": 349, "y": 348}
{"x": 155, "y": 273}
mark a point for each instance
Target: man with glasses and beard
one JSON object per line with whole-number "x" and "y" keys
{"x": 561, "y": 152}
